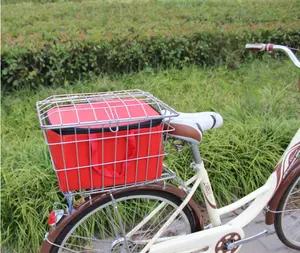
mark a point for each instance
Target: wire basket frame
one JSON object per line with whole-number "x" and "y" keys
{"x": 105, "y": 141}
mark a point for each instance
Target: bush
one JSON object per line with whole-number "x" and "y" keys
{"x": 56, "y": 64}
{"x": 53, "y": 44}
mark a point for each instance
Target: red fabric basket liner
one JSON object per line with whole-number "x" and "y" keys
{"x": 92, "y": 155}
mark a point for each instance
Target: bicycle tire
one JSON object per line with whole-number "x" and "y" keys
{"x": 286, "y": 205}
{"x": 155, "y": 195}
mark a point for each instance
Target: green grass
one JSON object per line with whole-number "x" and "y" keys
{"x": 94, "y": 21}
{"x": 259, "y": 103}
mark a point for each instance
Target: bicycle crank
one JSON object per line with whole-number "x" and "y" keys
{"x": 234, "y": 244}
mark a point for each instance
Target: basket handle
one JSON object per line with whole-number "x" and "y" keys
{"x": 131, "y": 145}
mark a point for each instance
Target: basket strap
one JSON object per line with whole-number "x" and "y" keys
{"x": 131, "y": 145}
{"x": 107, "y": 171}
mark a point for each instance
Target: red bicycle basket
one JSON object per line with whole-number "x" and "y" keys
{"x": 106, "y": 148}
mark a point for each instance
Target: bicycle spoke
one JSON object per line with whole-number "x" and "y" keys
{"x": 298, "y": 234}
{"x": 112, "y": 221}
{"x": 147, "y": 232}
{"x": 135, "y": 213}
{"x": 291, "y": 214}
{"x": 297, "y": 191}
{"x": 87, "y": 238}
{"x": 83, "y": 249}
{"x": 289, "y": 218}
{"x": 150, "y": 228}
{"x": 293, "y": 224}
{"x": 104, "y": 230}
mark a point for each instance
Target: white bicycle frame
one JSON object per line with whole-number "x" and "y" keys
{"x": 207, "y": 240}
{"x": 231, "y": 234}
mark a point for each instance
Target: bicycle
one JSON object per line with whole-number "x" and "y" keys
{"x": 143, "y": 213}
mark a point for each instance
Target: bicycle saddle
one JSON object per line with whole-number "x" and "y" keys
{"x": 190, "y": 126}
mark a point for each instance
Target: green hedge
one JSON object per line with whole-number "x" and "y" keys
{"x": 56, "y": 64}
{"x": 53, "y": 44}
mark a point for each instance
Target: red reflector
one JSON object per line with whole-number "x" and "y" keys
{"x": 52, "y": 218}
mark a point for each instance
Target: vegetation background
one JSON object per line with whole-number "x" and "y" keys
{"x": 55, "y": 43}
{"x": 188, "y": 53}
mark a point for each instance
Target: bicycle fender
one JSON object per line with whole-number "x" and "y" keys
{"x": 50, "y": 238}
{"x": 54, "y": 232}
{"x": 289, "y": 174}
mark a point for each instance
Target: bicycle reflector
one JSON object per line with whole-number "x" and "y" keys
{"x": 52, "y": 218}
{"x": 55, "y": 216}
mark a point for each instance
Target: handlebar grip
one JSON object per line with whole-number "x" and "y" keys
{"x": 256, "y": 47}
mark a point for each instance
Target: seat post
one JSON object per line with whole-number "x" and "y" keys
{"x": 206, "y": 189}
{"x": 196, "y": 154}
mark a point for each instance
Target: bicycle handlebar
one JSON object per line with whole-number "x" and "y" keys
{"x": 271, "y": 48}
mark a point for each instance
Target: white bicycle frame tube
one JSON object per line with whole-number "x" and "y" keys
{"x": 208, "y": 238}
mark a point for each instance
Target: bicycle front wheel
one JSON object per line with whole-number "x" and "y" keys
{"x": 287, "y": 220}
{"x": 125, "y": 223}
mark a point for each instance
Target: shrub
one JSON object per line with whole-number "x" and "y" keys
{"x": 53, "y": 44}
{"x": 57, "y": 63}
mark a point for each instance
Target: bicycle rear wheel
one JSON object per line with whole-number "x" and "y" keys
{"x": 104, "y": 228}
{"x": 287, "y": 220}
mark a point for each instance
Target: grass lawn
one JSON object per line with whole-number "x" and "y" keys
{"x": 259, "y": 102}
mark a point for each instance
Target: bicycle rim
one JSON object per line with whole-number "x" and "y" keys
{"x": 289, "y": 219}
{"x": 106, "y": 227}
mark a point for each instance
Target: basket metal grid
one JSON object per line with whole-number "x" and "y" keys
{"x": 107, "y": 140}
